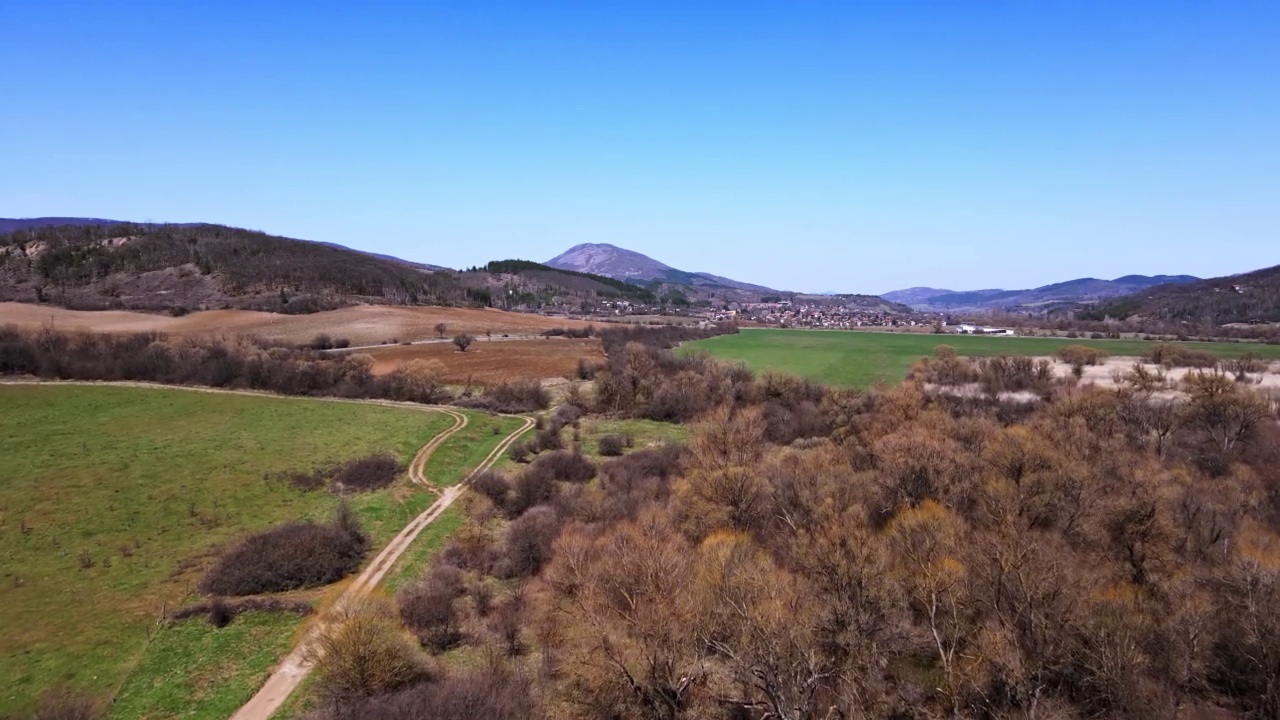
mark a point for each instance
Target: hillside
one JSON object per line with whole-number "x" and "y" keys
{"x": 1081, "y": 290}
{"x": 1247, "y": 298}
{"x": 187, "y": 267}
{"x": 622, "y": 264}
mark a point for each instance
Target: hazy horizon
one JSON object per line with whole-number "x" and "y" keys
{"x": 803, "y": 147}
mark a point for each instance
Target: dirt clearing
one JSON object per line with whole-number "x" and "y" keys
{"x": 361, "y": 325}
{"x": 1104, "y": 373}
{"x": 494, "y": 361}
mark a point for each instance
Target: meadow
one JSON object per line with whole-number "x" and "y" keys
{"x": 113, "y": 500}
{"x": 858, "y": 359}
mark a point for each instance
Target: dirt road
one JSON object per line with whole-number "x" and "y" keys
{"x": 298, "y": 664}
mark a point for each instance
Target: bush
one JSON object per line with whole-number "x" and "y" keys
{"x": 611, "y": 445}
{"x": 365, "y": 655}
{"x": 489, "y": 693}
{"x": 519, "y": 452}
{"x": 367, "y": 473}
{"x": 292, "y": 556}
{"x": 564, "y": 466}
{"x": 528, "y": 543}
{"x": 531, "y": 488}
{"x": 494, "y": 486}
{"x": 427, "y": 607}
{"x": 518, "y": 396}
{"x": 1171, "y": 355}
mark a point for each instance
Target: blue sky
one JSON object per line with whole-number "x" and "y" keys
{"x": 855, "y": 147}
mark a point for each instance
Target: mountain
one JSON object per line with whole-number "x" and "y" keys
{"x": 629, "y": 265}
{"x": 914, "y": 295}
{"x": 1246, "y": 298}
{"x": 1081, "y": 290}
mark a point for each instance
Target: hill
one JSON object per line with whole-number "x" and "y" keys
{"x": 198, "y": 266}
{"x": 1081, "y": 290}
{"x": 622, "y": 264}
{"x": 1252, "y": 297}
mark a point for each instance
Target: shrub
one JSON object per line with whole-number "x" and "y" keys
{"x": 531, "y": 488}
{"x": 489, "y": 693}
{"x": 427, "y": 607}
{"x": 367, "y": 473}
{"x": 527, "y": 546}
{"x": 518, "y": 396}
{"x": 1171, "y": 355}
{"x": 519, "y": 452}
{"x": 611, "y": 445}
{"x": 494, "y": 486}
{"x": 564, "y": 466}
{"x": 290, "y": 557}
{"x": 365, "y": 655}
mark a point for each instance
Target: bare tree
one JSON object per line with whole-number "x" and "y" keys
{"x": 440, "y": 329}
{"x": 463, "y": 341}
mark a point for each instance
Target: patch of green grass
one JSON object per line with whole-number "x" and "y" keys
{"x": 858, "y": 359}
{"x": 114, "y": 498}
{"x": 468, "y": 448}
{"x": 194, "y": 670}
{"x": 423, "y": 549}
{"x": 644, "y": 433}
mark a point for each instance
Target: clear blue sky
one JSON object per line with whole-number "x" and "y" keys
{"x": 858, "y": 147}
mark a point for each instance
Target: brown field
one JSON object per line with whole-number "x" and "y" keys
{"x": 494, "y": 361}
{"x": 362, "y": 325}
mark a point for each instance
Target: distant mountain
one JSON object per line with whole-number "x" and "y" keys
{"x": 11, "y": 224}
{"x": 629, "y": 265}
{"x": 914, "y": 295}
{"x": 1245, "y": 298}
{"x": 1081, "y": 290}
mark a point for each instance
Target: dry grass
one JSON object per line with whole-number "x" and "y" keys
{"x": 365, "y": 324}
{"x": 494, "y": 361}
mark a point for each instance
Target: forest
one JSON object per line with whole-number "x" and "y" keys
{"x": 892, "y": 553}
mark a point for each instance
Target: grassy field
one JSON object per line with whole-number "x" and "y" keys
{"x": 857, "y": 359}
{"x": 112, "y": 499}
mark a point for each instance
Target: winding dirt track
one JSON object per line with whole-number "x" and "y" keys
{"x": 298, "y": 664}
{"x": 295, "y": 667}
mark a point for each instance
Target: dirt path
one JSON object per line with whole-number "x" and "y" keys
{"x": 295, "y": 667}
{"x": 298, "y": 664}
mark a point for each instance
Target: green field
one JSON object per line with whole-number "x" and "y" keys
{"x": 111, "y": 500}
{"x": 858, "y": 359}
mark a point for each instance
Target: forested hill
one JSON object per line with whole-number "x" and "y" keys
{"x": 1245, "y": 298}
{"x": 172, "y": 267}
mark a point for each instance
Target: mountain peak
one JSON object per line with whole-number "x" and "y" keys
{"x": 623, "y": 264}
{"x": 610, "y": 261}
